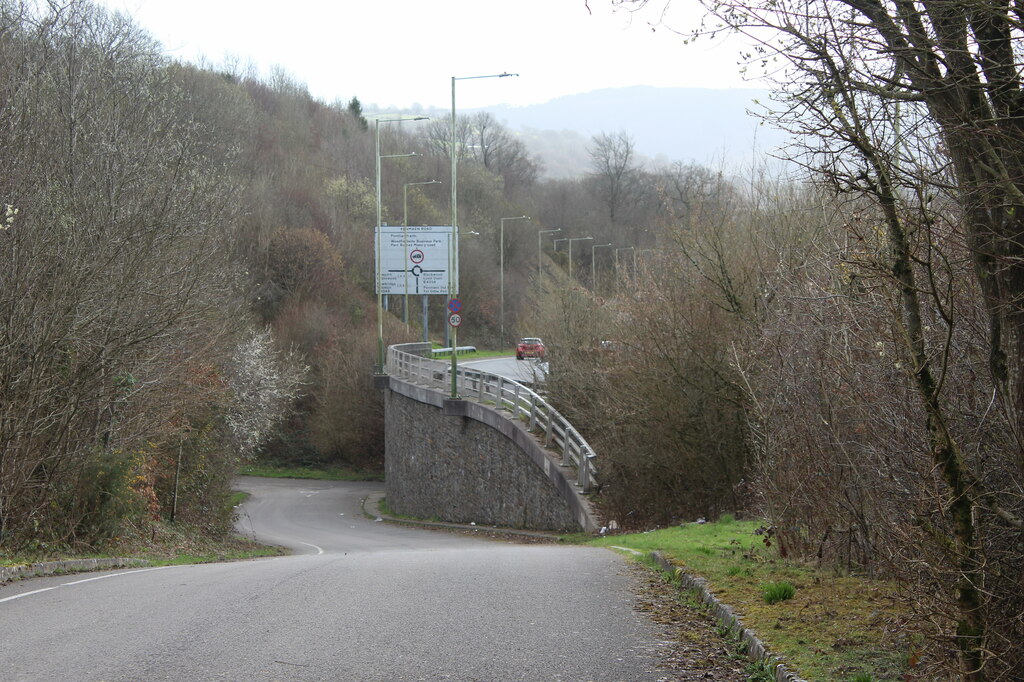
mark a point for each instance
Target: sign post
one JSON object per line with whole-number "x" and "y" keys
{"x": 454, "y": 320}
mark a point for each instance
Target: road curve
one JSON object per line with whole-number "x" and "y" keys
{"x": 529, "y": 371}
{"x": 360, "y": 600}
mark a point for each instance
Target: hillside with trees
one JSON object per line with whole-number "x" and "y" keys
{"x": 187, "y": 284}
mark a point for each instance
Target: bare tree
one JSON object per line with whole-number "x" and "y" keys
{"x": 500, "y": 152}
{"x": 903, "y": 104}
{"x": 615, "y": 178}
{"x": 116, "y": 266}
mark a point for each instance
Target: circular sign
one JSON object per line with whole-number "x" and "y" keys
{"x": 455, "y": 305}
{"x": 455, "y": 319}
{"x": 416, "y": 256}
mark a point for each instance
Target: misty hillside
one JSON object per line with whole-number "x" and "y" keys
{"x": 668, "y": 124}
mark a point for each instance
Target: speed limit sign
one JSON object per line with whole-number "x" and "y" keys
{"x": 455, "y": 319}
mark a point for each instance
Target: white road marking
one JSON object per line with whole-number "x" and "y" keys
{"x": 627, "y": 549}
{"x": 115, "y": 575}
{"x": 25, "y": 594}
{"x": 79, "y": 582}
{"x": 318, "y": 549}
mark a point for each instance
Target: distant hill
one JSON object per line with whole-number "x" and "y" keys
{"x": 668, "y": 124}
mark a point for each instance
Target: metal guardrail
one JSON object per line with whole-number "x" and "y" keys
{"x": 448, "y": 351}
{"x": 518, "y": 400}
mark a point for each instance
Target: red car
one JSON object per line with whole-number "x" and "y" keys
{"x": 530, "y": 347}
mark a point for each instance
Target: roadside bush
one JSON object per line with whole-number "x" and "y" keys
{"x": 103, "y": 497}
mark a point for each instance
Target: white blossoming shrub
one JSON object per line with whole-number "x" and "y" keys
{"x": 264, "y": 383}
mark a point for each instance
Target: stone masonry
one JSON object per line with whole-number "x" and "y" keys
{"x": 481, "y": 468}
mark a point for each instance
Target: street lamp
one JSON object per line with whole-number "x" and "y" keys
{"x": 405, "y": 239}
{"x": 555, "y": 243}
{"x": 454, "y": 254}
{"x": 379, "y": 369}
{"x": 624, "y": 248}
{"x": 540, "y": 253}
{"x": 405, "y": 197}
{"x": 574, "y": 239}
{"x": 593, "y": 264}
{"x": 501, "y": 250}
{"x": 404, "y": 235}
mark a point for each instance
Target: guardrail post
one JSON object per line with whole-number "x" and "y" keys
{"x": 583, "y": 471}
{"x": 541, "y": 413}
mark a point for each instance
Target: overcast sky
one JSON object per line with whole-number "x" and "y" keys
{"x": 404, "y": 52}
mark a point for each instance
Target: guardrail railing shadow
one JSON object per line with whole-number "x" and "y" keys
{"x": 505, "y": 394}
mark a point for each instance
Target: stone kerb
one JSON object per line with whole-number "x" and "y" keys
{"x": 756, "y": 650}
{"x": 9, "y": 573}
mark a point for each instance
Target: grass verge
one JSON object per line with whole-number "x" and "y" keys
{"x": 162, "y": 544}
{"x": 326, "y": 474}
{"x": 834, "y": 627}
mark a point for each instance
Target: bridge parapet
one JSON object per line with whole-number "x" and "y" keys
{"x": 521, "y": 402}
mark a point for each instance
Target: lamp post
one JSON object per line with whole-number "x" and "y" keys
{"x": 501, "y": 250}
{"x": 574, "y": 239}
{"x": 540, "y": 253}
{"x": 624, "y": 248}
{"x": 453, "y": 261}
{"x": 555, "y": 242}
{"x": 405, "y": 239}
{"x": 617, "y": 275}
{"x": 379, "y": 369}
{"x": 593, "y": 264}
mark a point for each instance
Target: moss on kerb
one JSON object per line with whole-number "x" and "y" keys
{"x": 755, "y": 648}
{"x": 8, "y": 573}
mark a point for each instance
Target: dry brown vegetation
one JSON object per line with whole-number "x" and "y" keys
{"x": 187, "y": 277}
{"x": 863, "y": 321}
{"x": 837, "y": 352}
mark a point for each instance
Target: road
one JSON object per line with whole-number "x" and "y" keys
{"x": 359, "y": 600}
{"x": 528, "y": 371}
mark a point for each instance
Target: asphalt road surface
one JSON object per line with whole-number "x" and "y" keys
{"x": 527, "y": 371}
{"x": 359, "y": 600}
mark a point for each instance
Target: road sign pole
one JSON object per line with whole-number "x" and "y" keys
{"x": 455, "y": 366}
{"x": 426, "y": 334}
{"x": 454, "y": 320}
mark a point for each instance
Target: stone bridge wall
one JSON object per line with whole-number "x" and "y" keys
{"x": 474, "y": 466}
